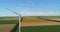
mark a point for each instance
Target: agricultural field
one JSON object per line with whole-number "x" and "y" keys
{"x": 6, "y": 24}
{"x": 35, "y": 24}
{"x": 30, "y": 24}
{"x": 51, "y": 17}
{"x": 55, "y": 28}
{"x": 32, "y": 21}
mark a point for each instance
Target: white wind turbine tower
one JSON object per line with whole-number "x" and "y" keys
{"x": 19, "y": 17}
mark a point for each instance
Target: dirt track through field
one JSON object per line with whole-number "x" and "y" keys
{"x": 6, "y": 27}
{"x": 40, "y": 22}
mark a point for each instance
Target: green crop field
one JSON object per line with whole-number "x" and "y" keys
{"x": 33, "y": 28}
{"x": 8, "y": 21}
{"x": 41, "y": 29}
{"x": 17, "y": 30}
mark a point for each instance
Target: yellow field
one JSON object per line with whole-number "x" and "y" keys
{"x": 27, "y": 21}
{"x": 33, "y": 21}
{"x": 53, "y": 18}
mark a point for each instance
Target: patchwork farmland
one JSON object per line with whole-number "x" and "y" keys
{"x": 7, "y": 24}
{"x": 34, "y": 21}
{"x": 30, "y": 24}
{"x": 39, "y": 24}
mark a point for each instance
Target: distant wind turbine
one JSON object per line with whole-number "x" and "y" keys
{"x": 20, "y": 20}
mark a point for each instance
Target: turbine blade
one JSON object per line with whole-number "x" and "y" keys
{"x": 12, "y": 11}
{"x": 24, "y": 10}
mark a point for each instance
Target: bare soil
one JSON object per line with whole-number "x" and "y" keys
{"x": 6, "y": 27}
{"x": 38, "y": 22}
{"x": 9, "y": 19}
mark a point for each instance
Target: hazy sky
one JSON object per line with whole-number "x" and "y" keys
{"x": 31, "y": 7}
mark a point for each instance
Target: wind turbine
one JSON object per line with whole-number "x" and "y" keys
{"x": 20, "y": 20}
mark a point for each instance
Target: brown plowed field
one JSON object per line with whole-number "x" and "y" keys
{"x": 6, "y": 27}
{"x": 37, "y": 22}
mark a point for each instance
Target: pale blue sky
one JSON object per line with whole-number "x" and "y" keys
{"x": 38, "y": 7}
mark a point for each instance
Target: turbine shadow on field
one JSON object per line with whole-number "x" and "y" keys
{"x": 16, "y": 26}
{"x": 49, "y": 19}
